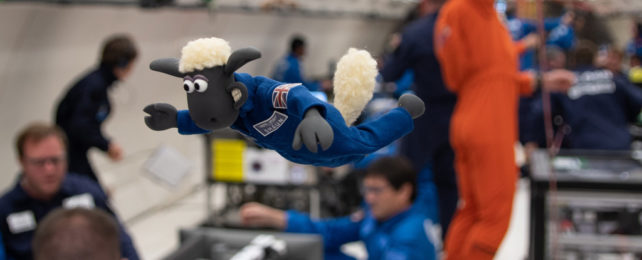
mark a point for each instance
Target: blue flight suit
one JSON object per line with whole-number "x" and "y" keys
{"x": 598, "y": 108}
{"x": 428, "y": 145}
{"x": 17, "y": 202}
{"x": 288, "y": 70}
{"x": 272, "y": 126}
{"x": 562, "y": 35}
{"x": 519, "y": 28}
{"x": 407, "y": 235}
{"x": 81, "y": 114}
{"x": 3, "y": 255}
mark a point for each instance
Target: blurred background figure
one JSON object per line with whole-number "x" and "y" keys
{"x": 77, "y": 234}
{"x": 290, "y": 69}
{"x": 393, "y": 224}
{"x": 86, "y": 105}
{"x": 598, "y": 109}
{"x": 479, "y": 62}
{"x": 427, "y": 146}
{"x": 43, "y": 186}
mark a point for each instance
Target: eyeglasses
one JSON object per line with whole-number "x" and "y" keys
{"x": 41, "y": 162}
{"x": 373, "y": 189}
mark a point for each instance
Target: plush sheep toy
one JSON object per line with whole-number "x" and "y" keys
{"x": 279, "y": 116}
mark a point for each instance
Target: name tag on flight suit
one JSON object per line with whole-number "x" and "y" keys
{"x": 84, "y": 200}
{"x": 21, "y": 222}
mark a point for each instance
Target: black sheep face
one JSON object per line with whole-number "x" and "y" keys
{"x": 213, "y": 97}
{"x": 210, "y": 104}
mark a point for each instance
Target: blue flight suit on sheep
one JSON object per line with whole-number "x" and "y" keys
{"x": 279, "y": 116}
{"x": 272, "y": 125}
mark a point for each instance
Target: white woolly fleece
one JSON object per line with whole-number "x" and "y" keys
{"x": 204, "y": 53}
{"x": 354, "y": 83}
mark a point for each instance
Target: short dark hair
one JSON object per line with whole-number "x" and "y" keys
{"x": 36, "y": 132}
{"x": 77, "y": 233}
{"x": 396, "y": 170}
{"x": 583, "y": 54}
{"x": 296, "y": 43}
{"x": 118, "y": 51}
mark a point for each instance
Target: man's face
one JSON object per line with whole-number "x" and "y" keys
{"x": 44, "y": 165}
{"x": 384, "y": 201}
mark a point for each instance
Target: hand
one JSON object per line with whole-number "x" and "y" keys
{"x": 326, "y": 85}
{"x": 114, "y": 151}
{"x": 568, "y": 18}
{"x": 313, "y": 130}
{"x": 530, "y": 41}
{"x": 258, "y": 215}
{"x": 413, "y": 104}
{"x": 161, "y": 116}
{"x": 559, "y": 80}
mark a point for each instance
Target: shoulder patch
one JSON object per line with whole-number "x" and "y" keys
{"x": 442, "y": 36}
{"x": 271, "y": 124}
{"x": 280, "y": 95}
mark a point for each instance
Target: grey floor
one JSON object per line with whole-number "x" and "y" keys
{"x": 43, "y": 48}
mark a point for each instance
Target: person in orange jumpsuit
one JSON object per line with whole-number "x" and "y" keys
{"x": 479, "y": 63}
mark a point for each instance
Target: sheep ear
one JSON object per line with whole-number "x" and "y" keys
{"x": 167, "y": 66}
{"x": 239, "y": 58}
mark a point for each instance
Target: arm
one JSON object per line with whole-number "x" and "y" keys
{"x": 399, "y": 61}
{"x": 335, "y": 232}
{"x": 527, "y": 43}
{"x": 562, "y": 36}
{"x": 374, "y": 134}
{"x": 186, "y": 125}
{"x": 526, "y": 82}
{"x": 558, "y": 80}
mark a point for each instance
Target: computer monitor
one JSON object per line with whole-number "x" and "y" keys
{"x": 222, "y": 244}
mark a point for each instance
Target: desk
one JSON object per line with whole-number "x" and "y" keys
{"x": 594, "y": 209}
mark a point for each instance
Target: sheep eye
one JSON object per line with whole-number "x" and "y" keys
{"x": 200, "y": 85}
{"x": 188, "y": 86}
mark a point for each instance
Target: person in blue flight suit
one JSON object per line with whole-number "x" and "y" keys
{"x": 560, "y": 33}
{"x": 289, "y": 68}
{"x": 598, "y": 108}
{"x": 350, "y": 143}
{"x": 394, "y": 224}
{"x": 86, "y": 105}
{"x": 427, "y": 146}
{"x": 44, "y": 185}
